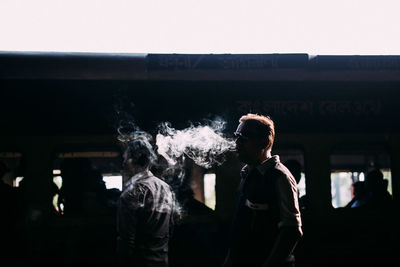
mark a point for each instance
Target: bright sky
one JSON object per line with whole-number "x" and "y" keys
{"x": 315, "y": 27}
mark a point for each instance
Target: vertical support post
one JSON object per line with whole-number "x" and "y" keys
{"x": 317, "y": 172}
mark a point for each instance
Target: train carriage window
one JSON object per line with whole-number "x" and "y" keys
{"x": 112, "y": 181}
{"x": 202, "y": 183}
{"x": 349, "y": 170}
{"x": 209, "y": 190}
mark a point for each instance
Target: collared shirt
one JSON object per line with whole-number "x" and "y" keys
{"x": 144, "y": 221}
{"x": 267, "y": 201}
{"x": 286, "y": 188}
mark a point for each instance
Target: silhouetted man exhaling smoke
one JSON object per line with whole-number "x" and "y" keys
{"x": 145, "y": 210}
{"x": 267, "y": 223}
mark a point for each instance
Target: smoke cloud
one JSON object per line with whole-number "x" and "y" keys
{"x": 204, "y": 144}
{"x": 128, "y": 131}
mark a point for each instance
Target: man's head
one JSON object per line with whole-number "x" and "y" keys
{"x": 374, "y": 181}
{"x": 254, "y": 138}
{"x": 138, "y": 156}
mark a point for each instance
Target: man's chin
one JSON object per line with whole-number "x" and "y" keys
{"x": 246, "y": 160}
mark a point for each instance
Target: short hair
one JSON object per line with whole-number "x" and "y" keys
{"x": 265, "y": 126}
{"x": 141, "y": 152}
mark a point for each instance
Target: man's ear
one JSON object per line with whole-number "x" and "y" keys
{"x": 130, "y": 162}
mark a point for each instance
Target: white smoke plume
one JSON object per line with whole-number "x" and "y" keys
{"x": 128, "y": 131}
{"x": 204, "y": 144}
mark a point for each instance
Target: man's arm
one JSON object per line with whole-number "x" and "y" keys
{"x": 284, "y": 246}
{"x": 290, "y": 221}
{"x": 127, "y": 220}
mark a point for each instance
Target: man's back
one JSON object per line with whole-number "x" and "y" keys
{"x": 145, "y": 220}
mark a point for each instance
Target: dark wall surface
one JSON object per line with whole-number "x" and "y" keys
{"x": 97, "y": 107}
{"x": 51, "y": 101}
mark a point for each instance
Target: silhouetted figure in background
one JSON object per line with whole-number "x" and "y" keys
{"x": 74, "y": 173}
{"x": 8, "y": 218}
{"x": 38, "y": 218}
{"x": 371, "y": 194}
{"x": 377, "y": 196}
{"x": 112, "y": 197}
{"x": 7, "y": 199}
{"x": 145, "y": 210}
{"x": 194, "y": 242}
{"x": 89, "y": 229}
{"x": 372, "y": 204}
{"x": 178, "y": 177}
{"x": 359, "y": 195}
{"x": 32, "y": 214}
{"x": 94, "y": 194}
{"x": 191, "y": 207}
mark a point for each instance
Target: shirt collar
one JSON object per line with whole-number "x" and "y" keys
{"x": 269, "y": 163}
{"x": 138, "y": 176}
{"x": 263, "y": 167}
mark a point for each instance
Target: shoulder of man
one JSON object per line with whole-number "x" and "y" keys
{"x": 154, "y": 180}
{"x": 279, "y": 171}
{"x": 135, "y": 191}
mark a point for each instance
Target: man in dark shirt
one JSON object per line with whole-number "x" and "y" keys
{"x": 145, "y": 208}
{"x": 267, "y": 223}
